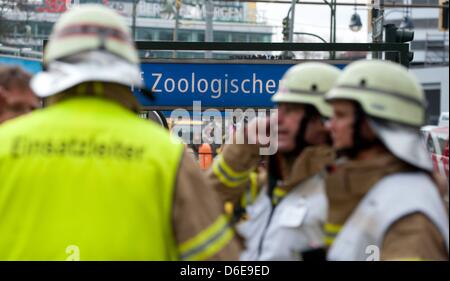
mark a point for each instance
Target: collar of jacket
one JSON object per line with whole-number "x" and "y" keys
{"x": 349, "y": 182}
{"x": 87, "y": 105}
{"x": 310, "y": 162}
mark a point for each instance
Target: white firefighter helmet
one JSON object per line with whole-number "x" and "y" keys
{"x": 88, "y": 43}
{"x": 307, "y": 83}
{"x": 394, "y": 102}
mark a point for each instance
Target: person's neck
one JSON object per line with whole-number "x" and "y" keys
{"x": 370, "y": 153}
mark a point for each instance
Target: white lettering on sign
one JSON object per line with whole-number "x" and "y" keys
{"x": 158, "y": 78}
{"x": 217, "y": 87}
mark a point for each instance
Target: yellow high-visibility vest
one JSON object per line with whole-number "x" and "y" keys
{"x": 86, "y": 179}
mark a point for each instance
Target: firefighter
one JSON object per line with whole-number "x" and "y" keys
{"x": 283, "y": 198}
{"x": 384, "y": 201}
{"x": 86, "y": 178}
{"x": 16, "y": 97}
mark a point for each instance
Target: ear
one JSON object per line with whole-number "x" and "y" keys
{"x": 367, "y": 131}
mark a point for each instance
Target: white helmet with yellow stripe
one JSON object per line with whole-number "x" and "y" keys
{"x": 88, "y": 43}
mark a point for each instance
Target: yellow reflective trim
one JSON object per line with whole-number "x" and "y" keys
{"x": 328, "y": 241}
{"x": 223, "y": 179}
{"x": 244, "y": 200}
{"x": 204, "y": 235}
{"x": 250, "y": 194}
{"x": 228, "y": 207}
{"x": 253, "y": 185}
{"x": 232, "y": 173}
{"x": 332, "y": 228}
{"x": 279, "y": 192}
{"x": 213, "y": 248}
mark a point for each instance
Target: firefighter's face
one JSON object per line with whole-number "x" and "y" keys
{"x": 316, "y": 133}
{"x": 289, "y": 118}
{"x": 15, "y": 102}
{"x": 341, "y": 124}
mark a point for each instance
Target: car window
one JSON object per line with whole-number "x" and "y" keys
{"x": 442, "y": 143}
{"x": 430, "y": 144}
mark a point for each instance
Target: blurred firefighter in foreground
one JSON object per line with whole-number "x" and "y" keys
{"x": 87, "y": 175}
{"x": 384, "y": 201}
{"x": 16, "y": 96}
{"x": 285, "y": 204}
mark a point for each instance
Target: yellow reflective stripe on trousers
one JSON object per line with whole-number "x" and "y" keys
{"x": 208, "y": 242}
{"x": 227, "y": 175}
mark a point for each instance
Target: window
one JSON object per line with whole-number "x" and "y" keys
{"x": 442, "y": 143}
{"x": 239, "y": 37}
{"x": 201, "y": 37}
{"x": 431, "y": 2}
{"x": 165, "y": 35}
{"x": 145, "y": 34}
{"x": 433, "y": 110}
{"x": 220, "y": 37}
{"x": 430, "y": 144}
{"x": 256, "y": 38}
{"x": 185, "y": 36}
{"x": 44, "y": 28}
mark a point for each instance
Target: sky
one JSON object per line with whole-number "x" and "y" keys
{"x": 316, "y": 19}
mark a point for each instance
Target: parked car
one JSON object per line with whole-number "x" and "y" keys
{"x": 443, "y": 120}
{"x": 437, "y": 144}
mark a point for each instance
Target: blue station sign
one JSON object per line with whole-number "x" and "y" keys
{"x": 225, "y": 85}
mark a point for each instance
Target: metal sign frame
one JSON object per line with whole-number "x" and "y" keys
{"x": 401, "y": 48}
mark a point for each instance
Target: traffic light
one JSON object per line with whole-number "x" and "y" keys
{"x": 286, "y": 29}
{"x": 395, "y": 35}
{"x": 443, "y": 15}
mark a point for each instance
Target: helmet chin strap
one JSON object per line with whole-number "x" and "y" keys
{"x": 360, "y": 142}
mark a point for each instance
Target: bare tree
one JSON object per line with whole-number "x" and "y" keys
{"x": 8, "y": 7}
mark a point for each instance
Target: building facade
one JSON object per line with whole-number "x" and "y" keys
{"x": 430, "y": 47}
{"x": 430, "y": 44}
{"x": 153, "y": 20}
